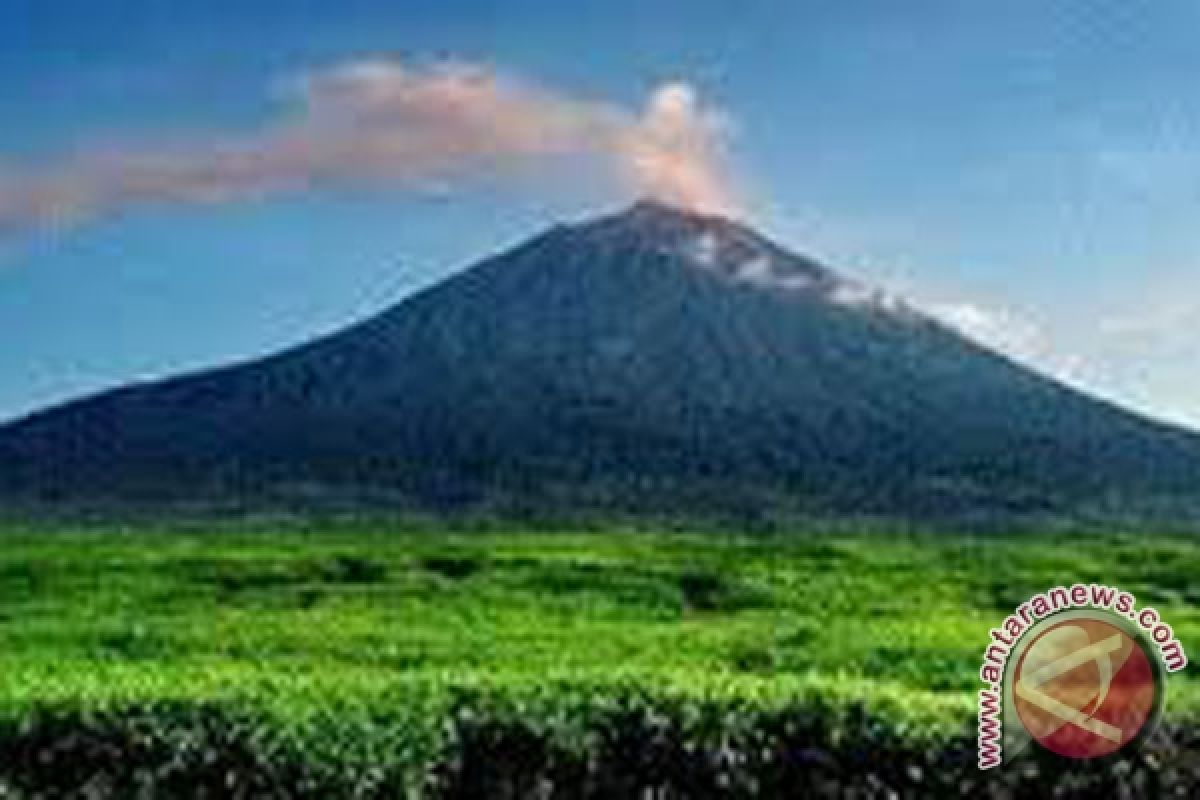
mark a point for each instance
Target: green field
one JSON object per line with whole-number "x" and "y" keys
{"x": 372, "y": 633}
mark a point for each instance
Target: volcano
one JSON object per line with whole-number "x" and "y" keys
{"x": 654, "y": 360}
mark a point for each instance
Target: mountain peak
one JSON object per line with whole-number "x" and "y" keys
{"x": 650, "y": 207}
{"x": 710, "y": 243}
{"x": 660, "y": 215}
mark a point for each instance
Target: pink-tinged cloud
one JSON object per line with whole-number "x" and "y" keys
{"x": 380, "y": 122}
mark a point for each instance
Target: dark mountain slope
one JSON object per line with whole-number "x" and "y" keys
{"x": 650, "y": 360}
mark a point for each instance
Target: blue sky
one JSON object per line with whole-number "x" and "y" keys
{"x": 1029, "y": 170}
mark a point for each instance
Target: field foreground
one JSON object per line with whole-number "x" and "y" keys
{"x": 380, "y": 660}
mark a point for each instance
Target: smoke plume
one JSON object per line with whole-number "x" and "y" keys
{"x": 381, "y": 122}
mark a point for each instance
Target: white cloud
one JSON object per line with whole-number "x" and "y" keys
{"x": 996, "y": 327}
{"x": 1151, "y": 350}
{"x": 1015, "y": 335}
{"x": 1144, "y": 359}
{"x": 1163, "y": 320}
{"x": 853, "y": 294}
{"x": 704, "y": 249}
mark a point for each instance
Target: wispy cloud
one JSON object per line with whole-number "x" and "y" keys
{"x": 1014, "y": 334}
{"x": 383, "y": 122}
{"x": 1160, "y": 321}
{"x": 1142, "y": 355}
{"x": 1151, "y": 347}
{"x": 998, "y": 328}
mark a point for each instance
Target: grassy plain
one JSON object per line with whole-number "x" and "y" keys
{"x": 378, "y": 629}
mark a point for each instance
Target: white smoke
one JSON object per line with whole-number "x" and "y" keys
{"x": 381, "y": 122}
{"x": 673, "y": 152}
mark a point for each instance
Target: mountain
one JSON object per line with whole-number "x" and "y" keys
{"x": 652, "y": 360}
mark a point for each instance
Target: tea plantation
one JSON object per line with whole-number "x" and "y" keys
{"x": 395, "y": 659}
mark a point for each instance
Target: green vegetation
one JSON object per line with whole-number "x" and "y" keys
{"x": 372, "y": 644}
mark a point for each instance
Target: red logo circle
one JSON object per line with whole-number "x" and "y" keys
{"x": 1085, "y": 688}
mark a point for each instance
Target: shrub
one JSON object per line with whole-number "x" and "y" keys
{"x": 628, "y": 745}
